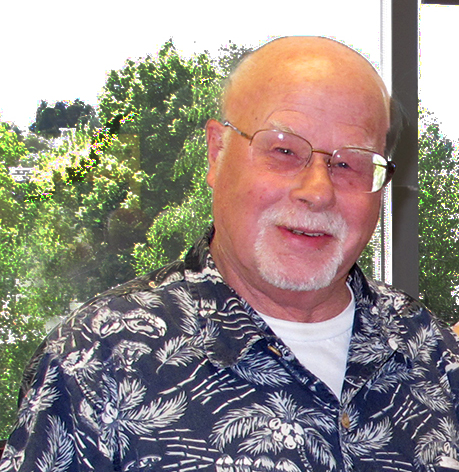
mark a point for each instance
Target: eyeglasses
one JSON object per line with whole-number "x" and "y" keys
{"x": 351, "y": 169}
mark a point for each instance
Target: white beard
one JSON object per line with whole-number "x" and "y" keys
{"x": 315, "y": 274}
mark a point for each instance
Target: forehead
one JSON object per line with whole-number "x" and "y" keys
{"x": 327, "y": 120}
{"x": 305, "y": 75}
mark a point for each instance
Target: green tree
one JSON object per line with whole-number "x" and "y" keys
{"x": 11, "y": 148}
{"x": 187, "y": 212}
{"x": 165, "y": 96}
{"x": 64, "y": 114}
{"x": 79, "y": 225}
{"x": 438, "y": 219}
{"x": 20, "y": 330}
{"x": 93, "y": 208}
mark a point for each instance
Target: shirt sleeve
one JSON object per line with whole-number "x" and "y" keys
{"x": 51, "y": 433}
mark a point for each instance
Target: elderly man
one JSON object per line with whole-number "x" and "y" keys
{"x": 266, "y": 349}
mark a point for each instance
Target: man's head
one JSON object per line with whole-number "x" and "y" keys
{"x": 297, "y": 231}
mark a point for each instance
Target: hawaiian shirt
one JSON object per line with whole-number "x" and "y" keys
{"x": 174, "y": 372}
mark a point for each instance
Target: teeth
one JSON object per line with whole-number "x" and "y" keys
{"x": 314, "y": 235}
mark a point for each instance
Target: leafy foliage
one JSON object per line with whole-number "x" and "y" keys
{"x": 175, "y": 229}
{"x": 20, "y": 327}
{"x": 11, "y": 148}
{"x": 438, "y": 219}
{"x": 49, "y": 120}
{"x": 171, "y": 99}
{"x": 81, "y": 223}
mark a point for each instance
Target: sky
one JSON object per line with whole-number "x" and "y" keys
{"x": 54, "y": 50}
{"x": 438, "y": 66}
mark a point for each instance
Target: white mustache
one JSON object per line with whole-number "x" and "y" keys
{"x": 324, "y": 222}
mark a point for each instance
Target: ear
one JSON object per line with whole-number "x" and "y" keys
{"x": 214, "y": 138}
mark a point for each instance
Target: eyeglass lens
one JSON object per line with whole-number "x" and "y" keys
{"x": 350, "y": 168}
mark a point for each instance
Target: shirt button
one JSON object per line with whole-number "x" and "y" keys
{"x": 275, "y": 350}
{"x": 345, "y": 421}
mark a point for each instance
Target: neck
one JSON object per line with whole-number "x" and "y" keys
{"x": 305, "y": 307}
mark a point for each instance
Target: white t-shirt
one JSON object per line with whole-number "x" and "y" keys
{"x": 321, "y": 347}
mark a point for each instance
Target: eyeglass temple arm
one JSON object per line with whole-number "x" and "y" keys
{"x": 241, "y": 133}
{"x": 390, "y": 170}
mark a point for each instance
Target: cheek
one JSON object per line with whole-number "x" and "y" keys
{"x": 361, "y": 214}
{"x": 254, "y": 188}
{"x": 366, "y": 217}
{"x": 256, "y": 193}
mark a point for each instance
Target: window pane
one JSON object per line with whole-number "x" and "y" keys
{"x": 438, "y": 161}
{"x": 92, "y": 219}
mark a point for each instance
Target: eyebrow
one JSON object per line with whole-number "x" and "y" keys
{"x": 281, "y": 127}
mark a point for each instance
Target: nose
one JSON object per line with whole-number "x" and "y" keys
{"x": 313, "y": 185}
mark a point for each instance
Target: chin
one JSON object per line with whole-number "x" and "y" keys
{"x": 311, "y": 270}
{"x": 297, "y": 276}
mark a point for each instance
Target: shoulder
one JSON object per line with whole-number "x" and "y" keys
{"x": 130, "y": 319}
{"x": 137, "y": 298}
{"x": 130, "y": 316}
{"x": 398, "y": 316}
{"x": 381, "y": 299}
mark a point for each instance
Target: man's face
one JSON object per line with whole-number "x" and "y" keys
{"x": 294, "y": 232}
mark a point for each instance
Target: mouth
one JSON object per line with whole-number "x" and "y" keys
{"x": 307, "y": 228}
{"x": 303, "y": 238}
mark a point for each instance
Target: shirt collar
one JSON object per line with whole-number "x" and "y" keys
{"x": 232, "y": 327}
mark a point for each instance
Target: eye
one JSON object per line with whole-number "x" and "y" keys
{"x": 280, "y": 151}
{"x": 284, "y": 151}
{"x": 285, "y": 147}
{"x": 341, "y": 165}
{"x": 347, "y": 160}
{"x": 285, "y": 156}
